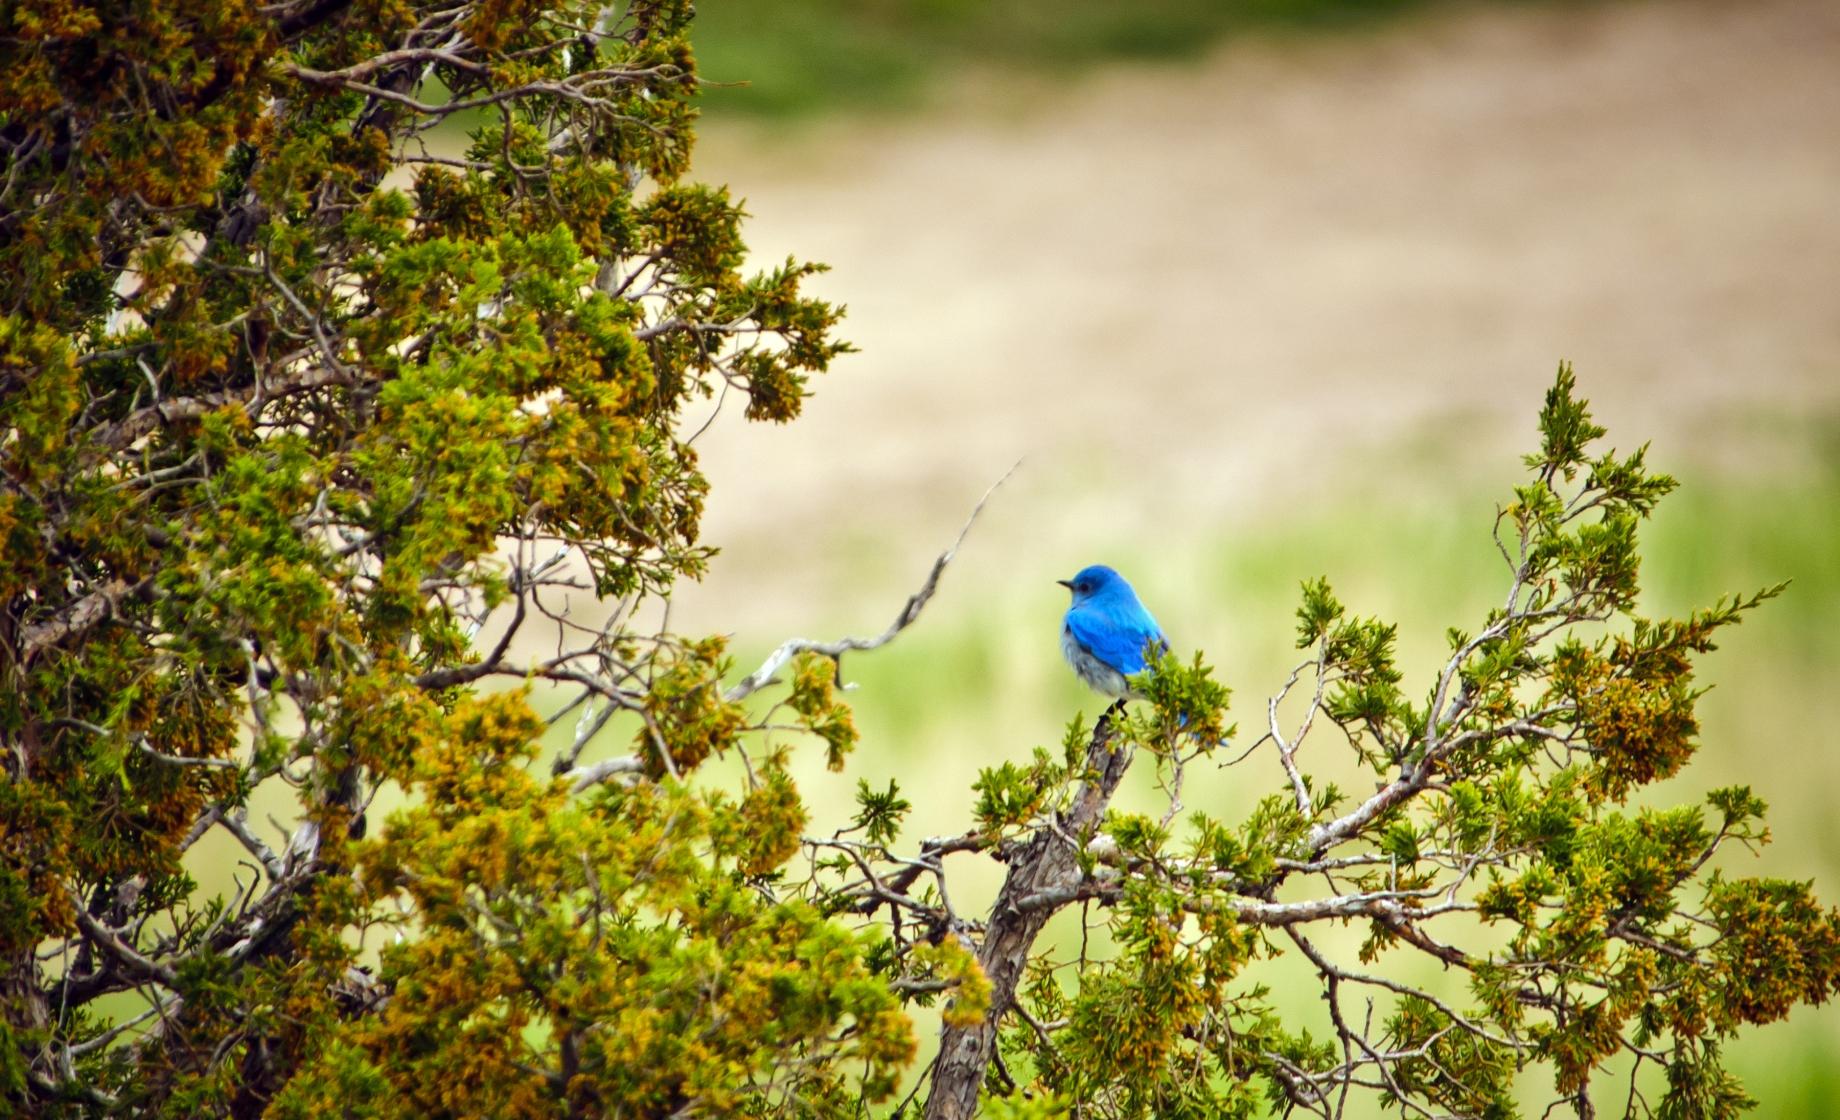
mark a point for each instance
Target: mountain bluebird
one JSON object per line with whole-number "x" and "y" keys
{"x": 1107, "y": 634}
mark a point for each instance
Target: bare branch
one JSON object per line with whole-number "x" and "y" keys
{"x": 763, "y": 676}
{"x": 1048, "y": 862}
{"x": 584, "y": 777}
{"x": 77, "y": 617}
{"x": 114, "y": 947}
{"x": 120, "y": 433}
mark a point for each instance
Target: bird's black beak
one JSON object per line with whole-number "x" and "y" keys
{"x": 1067, "y": 583}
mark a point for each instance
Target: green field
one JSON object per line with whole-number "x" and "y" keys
{"x": 799, "y": 57}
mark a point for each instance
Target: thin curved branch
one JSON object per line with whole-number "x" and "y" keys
{"x": 910, "y": 612}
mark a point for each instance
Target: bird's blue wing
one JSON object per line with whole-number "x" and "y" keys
{"x": 1116, "y": 635}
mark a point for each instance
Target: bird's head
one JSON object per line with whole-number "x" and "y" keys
{"x": 1097, "y": 581}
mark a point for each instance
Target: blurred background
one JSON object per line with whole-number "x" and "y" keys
{"x": 1266, "y": 290}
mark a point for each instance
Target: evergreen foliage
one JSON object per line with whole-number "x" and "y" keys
{"x": 317, "y": 440}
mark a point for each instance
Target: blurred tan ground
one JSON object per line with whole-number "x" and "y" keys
{"x": 1192, "y": 293}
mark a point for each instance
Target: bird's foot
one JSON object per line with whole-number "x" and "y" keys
{"x": 1104, "y": 726}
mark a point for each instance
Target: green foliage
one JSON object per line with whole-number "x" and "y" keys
{"x": 1698, "y": 1088}
{"x": 1011, "y": 796}
{"x": 1185, "y": 703}
{"x": 298, "y": 386}
{"x": 881, "y": 813}
{"x": 594, "y": 950}
{"x": 1022, "y": 1106}
{"x": 1780, "y": 948}
{"x": 1436, "y": 1047}
{"x": 813, "y": 698}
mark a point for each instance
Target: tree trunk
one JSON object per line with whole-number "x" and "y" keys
{"x": 1047, "y": 862}
{"x": 26, "y": 1010}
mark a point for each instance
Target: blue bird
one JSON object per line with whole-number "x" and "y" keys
{"x": 1107, "y": 634}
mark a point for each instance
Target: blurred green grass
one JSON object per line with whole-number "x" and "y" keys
{"x": 804, "y": 56}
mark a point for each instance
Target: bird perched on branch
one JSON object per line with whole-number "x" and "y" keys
{"x": 1107, "y": 635}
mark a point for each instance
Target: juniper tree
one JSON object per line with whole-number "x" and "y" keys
{"x": 343, "y": 353}
{"x": 330, "y": 327}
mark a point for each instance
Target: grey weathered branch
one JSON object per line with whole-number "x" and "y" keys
{"x": 238, "y": 826}
{"x": 77, "y": 617}
{"x": 576, "y": 88}
{"x": 1287, "y": 749}
{"x": 384, "y": 61}
{"x": 585, "y": 777}
{"x": 928, "y": 860}
{"x": 835, "y": 650}
{"x": 1048, "y": 862}
{"x": 120, "y": 433}
{"x": 116, "y": 949}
